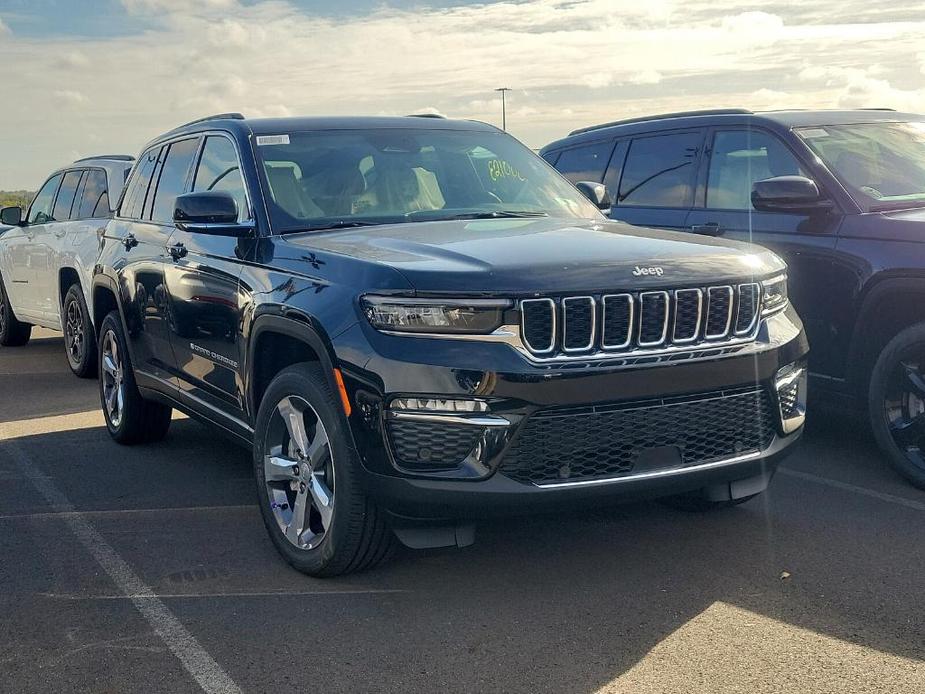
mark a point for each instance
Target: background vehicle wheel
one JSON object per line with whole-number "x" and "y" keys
{"x": 12, "y": 332}
{"x": 308, "y": 485}
{"x": 896, "y": 403}
{"x": 696, "y": 502}
{"x": 129, "y": 417}
{"x": 79, "y": 341}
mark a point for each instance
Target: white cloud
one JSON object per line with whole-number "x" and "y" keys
{"x": 570, "y": 62}
{"x": 4, "y": 29}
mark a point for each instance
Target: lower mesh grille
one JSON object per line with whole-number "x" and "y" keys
{"x": 606, "y": 441}
{"x": 431, "y": 445}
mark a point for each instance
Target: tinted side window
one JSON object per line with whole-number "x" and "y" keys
{"x": 137, "y": 186}
{"x": 40, "y": 211}
{"x": 741, "y": 157}
{"x": 95, "y": 200}
{"x": 219, "y": 170}
{"x": 552, "y": 157}
{"x": 659, "y": 171}
{"x": 172, "y": 181}
{"x": 66, "y": 194}
{"x": 585, "y": 163}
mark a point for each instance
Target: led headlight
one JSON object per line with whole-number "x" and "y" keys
{"x": 442, "y": 316}
{"x": 775, "y": 295}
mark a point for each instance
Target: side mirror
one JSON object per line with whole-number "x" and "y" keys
{"x": 596, "y": 193}
{"x": 210, "y": 212}
{"x": 11, "y": 216}
{"x": 788, "y": 194}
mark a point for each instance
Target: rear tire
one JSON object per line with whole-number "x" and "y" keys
{"x": 308, "y": 479}
{"x": 130, "y": 418}
{"x": 79, "y": 339}
{"x": 896, "y": 403}
{"x": 13, "y": 333}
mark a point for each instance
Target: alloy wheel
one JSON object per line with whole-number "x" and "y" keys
{"x": 113, "y": 379}
{"x": 904, "y": 406}
{"x": 299, "y": 473}
{"x": 74, "y": 338}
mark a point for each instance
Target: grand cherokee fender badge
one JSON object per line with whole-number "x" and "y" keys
{"x": 655, "y": 270}
{"x": 212, "y": 356}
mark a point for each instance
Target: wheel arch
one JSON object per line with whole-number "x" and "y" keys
{"x": 886, "y": 309}
{"x": 278, "y": 341}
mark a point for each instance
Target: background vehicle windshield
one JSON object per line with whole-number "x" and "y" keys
{"x": 383, "y": 176}
{"x": 882, "y": 164}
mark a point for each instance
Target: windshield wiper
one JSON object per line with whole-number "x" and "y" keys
{"x": 495, "y": 214}
{"x": 339, "y": 224}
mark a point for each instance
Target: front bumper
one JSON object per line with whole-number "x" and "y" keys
{"x": 422, "y": 474}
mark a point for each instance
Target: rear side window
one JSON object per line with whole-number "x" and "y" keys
{"x": 659, "y": 171}
{"x": 65, "y": 199}
{"x": 137, "y": 187}
{"x": 219, "y": 170}
{"x": 95, "y": 200}
{"x": 40, "y": 211}
{"x": 585, "y": 163}
{"x": 172, "y": 181}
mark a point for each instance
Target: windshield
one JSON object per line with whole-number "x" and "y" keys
{"x": 331, "y": 179}
{"x": 881, "y": 164}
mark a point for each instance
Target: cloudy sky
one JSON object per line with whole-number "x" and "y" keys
{"x": 87, "y": 76}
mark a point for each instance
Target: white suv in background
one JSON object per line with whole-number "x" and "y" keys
{"x": 47, "y": 258}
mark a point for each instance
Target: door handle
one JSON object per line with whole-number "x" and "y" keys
{"x": 129, "y": 242}
{"x": 708, "y": 229}
{"x": 177, "y": 251}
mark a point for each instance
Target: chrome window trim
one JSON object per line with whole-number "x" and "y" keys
{"x": 523, "y": 328}
{"x": 716, "y": 336}
{"x": 666, "y": 299}
{"x": 590, "y": 345}
{"x": 674, "y": 329}
{"x": 758, "y": 299}
{"x": 629, "y": 328}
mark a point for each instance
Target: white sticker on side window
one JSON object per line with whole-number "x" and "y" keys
{"x": 810, "y": 133}
{"x": 272, "y": 140}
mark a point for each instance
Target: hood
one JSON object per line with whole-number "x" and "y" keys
{"x": 544, "y": 256}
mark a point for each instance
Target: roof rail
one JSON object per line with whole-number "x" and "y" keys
{"x": 111, "y": 157}
{"x": 426, "y": 115}
{"x": 660, "y": 116}
{"x": 217, "y": 116}
{"x": 878, "y": 108}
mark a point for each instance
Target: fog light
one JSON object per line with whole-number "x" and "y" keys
{"x": 790, "y": 384}
{"x": 439, "y": 405}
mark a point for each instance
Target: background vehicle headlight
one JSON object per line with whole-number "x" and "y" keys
{"x": 775, "y": 295}
{"x": 466, "y": 316}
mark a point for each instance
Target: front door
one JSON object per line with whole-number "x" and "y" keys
{"x": 25, "y": 259}
{"x": 205, "y": 305}
{"x": 738, "y": 158}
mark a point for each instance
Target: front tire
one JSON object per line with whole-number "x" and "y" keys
{"x": 13, "y": 333}
{"x": 79, "y": 342}
{"x": 896, "y": 403}
{"x": 130, "y": 418}
{"x": 308, "y": 479}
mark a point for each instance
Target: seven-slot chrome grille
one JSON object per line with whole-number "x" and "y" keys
{"x": 640, "y": 321}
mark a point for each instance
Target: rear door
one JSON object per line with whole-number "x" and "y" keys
{"x": 205, "y": 303}
{"x": 46, "y": 242}
{"x": 652, "y": 178}
{"x": 737, "y": 157}
{"x": 140, "y": 269}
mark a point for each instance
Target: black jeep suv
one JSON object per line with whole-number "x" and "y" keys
{"x": 840, "y": 195}
{"x": 416, "y": 321}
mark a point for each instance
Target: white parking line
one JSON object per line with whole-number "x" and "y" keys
{"x": 845, "y": 486}
{"x": 195, "y": 659}
{"x": 232, "y": 594}
{"x": 124, "y": 511}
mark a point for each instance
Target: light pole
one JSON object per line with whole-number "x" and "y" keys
{"x": 503, "y": 107}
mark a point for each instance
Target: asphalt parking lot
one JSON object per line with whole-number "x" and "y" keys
{"x": 149, "y": 569}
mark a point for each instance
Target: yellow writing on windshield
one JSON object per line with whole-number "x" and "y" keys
{"x": 498, "y": 168}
